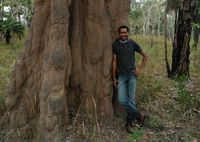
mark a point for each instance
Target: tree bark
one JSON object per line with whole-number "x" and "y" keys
{"x": 196, "y": 32}
{"x": 66, "y": 62}
{"x": 165, "y": 43}
{"x": 181, "y": 48}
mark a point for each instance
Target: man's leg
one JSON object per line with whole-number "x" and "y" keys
{"x": 131, "y": 87}
{"x": 131, "y": 100}
{"x": 122, "y": 91}
{"x": 123, "y": 100}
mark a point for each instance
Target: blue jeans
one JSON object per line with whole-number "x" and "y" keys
{"x": 126, "y": 95}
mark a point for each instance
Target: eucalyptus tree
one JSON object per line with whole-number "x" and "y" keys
{"x": 146, "y": 16}
{"x": 196, "y": 25}
{"x": 20, "y": 10}
{"x": 184, "y": 16}
{"x": 27, "y": 9}
{"x": 136, "y": 17}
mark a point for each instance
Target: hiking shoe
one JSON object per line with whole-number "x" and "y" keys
{"x": 129, "y": 128}
{"x": 143, "y": 119}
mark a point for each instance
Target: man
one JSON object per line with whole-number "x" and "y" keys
{"x": 124, "y": 65}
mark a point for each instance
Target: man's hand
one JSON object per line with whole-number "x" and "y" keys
{"x": 137, "y": 72}
{"x": 115, "y": 82}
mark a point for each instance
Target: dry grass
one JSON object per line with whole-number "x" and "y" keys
{"x": 172, "y": 119}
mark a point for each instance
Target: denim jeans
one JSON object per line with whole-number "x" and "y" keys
{"x": 126, "y": 95}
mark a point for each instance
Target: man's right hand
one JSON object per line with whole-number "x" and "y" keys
{"x": 115, "y": 82}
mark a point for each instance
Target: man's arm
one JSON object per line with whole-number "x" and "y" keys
{"x": 138, "y": 71}
{"x": 114, "y": 69}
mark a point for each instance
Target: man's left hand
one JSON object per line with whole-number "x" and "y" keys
{"x": 137, "y": 72}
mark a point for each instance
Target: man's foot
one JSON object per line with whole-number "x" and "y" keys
{"x": 143, "y": 119}
{"x": 129, "y": 128}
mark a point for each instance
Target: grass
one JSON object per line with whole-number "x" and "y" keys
{"x": 187, "y": 99}
{"x": 165, "y": 100}
{"x": 137, "y": 134}
{"x": 8, "y": 55}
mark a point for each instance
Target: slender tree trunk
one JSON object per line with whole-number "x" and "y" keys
{"x": 152, "y": 33}
{"x": 144, "y": 24}
{"x": 165, "y": 32}
{"x": 196, "y": 32}
{"x": 181, "y": 48}
{"x": 159, "y": 25}
{"x": 1, "y": 16}
{"x": 66, "y": 63}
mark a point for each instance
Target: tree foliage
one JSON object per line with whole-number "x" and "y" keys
{"x": 15, "y": 15}
{"x": 10, "y": 27}
{"x": 146, "y": 17}
{"x": 21, "y": 10}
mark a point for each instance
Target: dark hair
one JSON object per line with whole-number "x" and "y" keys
{"x": 123, "y": 27}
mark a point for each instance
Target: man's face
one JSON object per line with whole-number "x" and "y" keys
{"x": 123, "y": 34}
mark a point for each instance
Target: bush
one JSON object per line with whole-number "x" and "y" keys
{"x": 9, "y": 27}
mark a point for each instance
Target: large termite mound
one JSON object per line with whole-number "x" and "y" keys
{"x": 66, "y": 62}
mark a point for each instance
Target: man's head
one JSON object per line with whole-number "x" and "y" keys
{"x": 123, "y": 32}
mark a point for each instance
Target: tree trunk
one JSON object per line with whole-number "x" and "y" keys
{"x": 159, "y": 25}
{"x": 196, "y": 32}
{"x": 165, "y": 44}
{"x": 66, "y": 62}
{"x": 181, "y": 48}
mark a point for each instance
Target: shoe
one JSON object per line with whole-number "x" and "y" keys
{"x": 141, "y": 119}
{"x": 129, "y": 127}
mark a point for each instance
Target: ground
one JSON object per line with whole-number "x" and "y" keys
{"x": 173, "y": 105}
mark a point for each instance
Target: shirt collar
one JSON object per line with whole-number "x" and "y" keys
{"x": 125, "y": 41}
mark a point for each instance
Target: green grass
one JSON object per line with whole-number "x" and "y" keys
{"x": 8, "y": 55}
{"x": 166, "y": 100}
{"x": 154, "y": 81}
{"x": 188, "y": 100}
{"x": 137, "y": 134}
